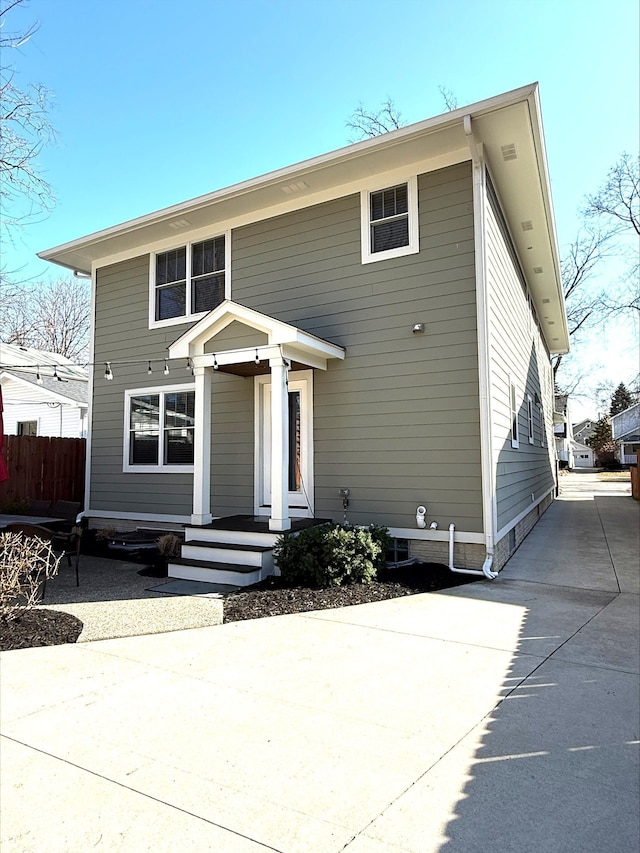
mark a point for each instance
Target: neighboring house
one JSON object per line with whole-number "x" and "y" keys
{"x": 44, "y": 393}
{"x": 625, "y": 428}
{"x": 364, "y": 333}
{"x": 563, "y": 432}
{"x": 583, "y": 430}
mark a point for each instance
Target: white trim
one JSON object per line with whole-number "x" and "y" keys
{"x": 137, "y": 516}
{"x": 436, "y": 535}
{"x": 187, "y": 317}
{"x": 261, "y": 457}
{"x": 191, "y": 344}
{"x": 488, "y": 458}
{"x": 525, "y": 512}
{"x": 89, "y": 438}
{"x": 413, "y": 246}
{"x": 161, "y": 390}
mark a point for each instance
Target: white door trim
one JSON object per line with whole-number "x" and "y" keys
{"x": 298, "y": 380}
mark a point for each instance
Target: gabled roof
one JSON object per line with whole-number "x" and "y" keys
{"x": 23, "y": 365}
{"x": 293, "y": 343}
{"x": 627, "y": 422}
{"x": 67, "y": 392}
{"x": 509, "y": 128}
{"x": 28, "y": 359}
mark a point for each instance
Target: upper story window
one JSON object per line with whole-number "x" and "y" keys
{"x": 159, "y": 429}
{"x": 188, "y": 281}
{"x": 389, "y": 225}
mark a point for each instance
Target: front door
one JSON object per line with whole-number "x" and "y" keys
{"x": 299, "y": 465}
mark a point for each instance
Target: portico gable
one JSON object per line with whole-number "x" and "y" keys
{"x": 286, "y": 348}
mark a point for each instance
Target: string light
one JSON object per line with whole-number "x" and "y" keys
{"x": 149, "y": 370}
{"x": 166, "y": 367}
{"x": 39, "y": 379}
{"x": 215, "y": 362}
{"x": 257, "y": 356}
{"x": 108, "y": 373}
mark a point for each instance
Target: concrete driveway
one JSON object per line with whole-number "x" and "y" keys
{"x": 495, "y": 716}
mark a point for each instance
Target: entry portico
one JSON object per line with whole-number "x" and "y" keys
{"x": 287, "y": 348}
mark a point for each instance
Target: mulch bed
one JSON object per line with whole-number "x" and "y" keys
{"x": 39, "y": 627}
{"x": 42, "y": 627}
{"x": 274, "y": 598}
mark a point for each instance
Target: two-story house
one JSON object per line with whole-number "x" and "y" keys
{"x": 366, "y": 333}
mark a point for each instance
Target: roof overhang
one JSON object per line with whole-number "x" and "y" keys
{"x": 508, "y": 126}
{"x": 301, "y": 348}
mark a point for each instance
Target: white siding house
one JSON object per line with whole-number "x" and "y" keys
{"x": 44, "y": 393}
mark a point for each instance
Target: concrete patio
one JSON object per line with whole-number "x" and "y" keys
{"x": 495, "y": 716}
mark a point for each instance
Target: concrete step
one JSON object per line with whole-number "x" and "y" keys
{"x": 242, "y": 537}
{"x": 260, "y": 556}
{"x": 213, "y": 572}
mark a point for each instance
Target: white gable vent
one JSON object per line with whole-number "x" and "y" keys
{"x": 509, "y": 152}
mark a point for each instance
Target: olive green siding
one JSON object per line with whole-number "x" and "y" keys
{"x": 122, "y": 334}
{"x": 517, "y": 352}
{"x": 397, "y": 422}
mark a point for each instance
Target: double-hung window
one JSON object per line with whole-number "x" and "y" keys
{"x": 159, "y": 429}
{"x": 189, "y": 280}
{"x": 389, "y": 221}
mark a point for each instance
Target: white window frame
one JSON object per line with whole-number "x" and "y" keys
{"x": 530, "y": 434}
{"x": 515, "y": 413}
{"x": 369, "y": 257}
{"x": 160, "y": 468}
{"x": 187, "y": 317}
{"x": 543, "y": 427}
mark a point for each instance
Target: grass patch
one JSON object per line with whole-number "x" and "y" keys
{"x": 614, "y": 476}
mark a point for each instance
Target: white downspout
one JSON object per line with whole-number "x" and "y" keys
{"x": 485, "y": 571}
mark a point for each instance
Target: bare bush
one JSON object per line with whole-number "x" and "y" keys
{"x": 169, "y": 545}
{"x": 26, "y": 562}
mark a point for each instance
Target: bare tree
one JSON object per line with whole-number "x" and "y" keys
{"x": 450, "y": 100}
{"x": 24, "y": 130}
{"x": 366, "y": 124}
{"x": 52, "y": 316}
{"x": 584, "y": 306}
{"x": 618, "y": 204}
{"x": 619, "y": 198}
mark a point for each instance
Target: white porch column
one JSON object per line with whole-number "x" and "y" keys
{"x": 202, "y": 448}
{"x": 279, "y": 445}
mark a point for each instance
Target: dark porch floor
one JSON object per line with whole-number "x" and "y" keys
{"x": 257, "y": 523}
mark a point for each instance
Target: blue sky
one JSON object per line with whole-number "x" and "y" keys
{"x": 157, "y": 101}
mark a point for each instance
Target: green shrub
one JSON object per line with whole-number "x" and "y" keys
{"x": 331, "y": 554}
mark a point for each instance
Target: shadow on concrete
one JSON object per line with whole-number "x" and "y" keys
{"x": 554, "y": 767}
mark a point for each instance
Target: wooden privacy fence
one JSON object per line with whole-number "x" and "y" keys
{"x": 43, "y": 468}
